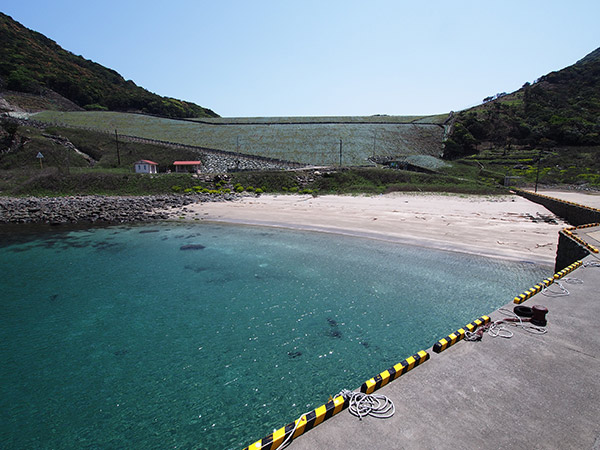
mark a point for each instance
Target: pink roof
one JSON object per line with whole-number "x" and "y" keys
{"x": 147, "y": 161}
{"x": 187, "y": 163}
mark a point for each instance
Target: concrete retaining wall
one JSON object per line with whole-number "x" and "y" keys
{"x": 569, "y": 249}
{"x": 573, "y": 213}
{"x": 568, "y": 252}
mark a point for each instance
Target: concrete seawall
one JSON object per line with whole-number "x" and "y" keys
{"x": 570, "y": 247}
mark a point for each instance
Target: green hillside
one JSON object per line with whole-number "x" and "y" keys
{"x": 305, "y": 140}
{"x": 557, "y": 119}
{"x": 32, "y": 63}
{"x": 559, "y": 109}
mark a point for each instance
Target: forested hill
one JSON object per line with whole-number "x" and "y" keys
{"x": 560, "y": 109}
{"x": 32, "y": 63}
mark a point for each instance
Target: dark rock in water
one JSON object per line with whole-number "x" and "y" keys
{"x": 53, "y": 297}
{"x": 196, "y": 269}
{"x": 365, "y": 344}
{"x": 335, "y": 333}
{"x": 294, "y": 354}
{"x": 192, "y": 247}
{"x": 331, "y": 322}
{"x": 121, "y": 352}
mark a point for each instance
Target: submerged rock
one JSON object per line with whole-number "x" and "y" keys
{"x": 192, "y": 247}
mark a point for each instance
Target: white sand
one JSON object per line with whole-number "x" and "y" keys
{"x": 486, "y": 225}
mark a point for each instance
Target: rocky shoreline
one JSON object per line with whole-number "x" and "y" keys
{"x": 97, "y": 208}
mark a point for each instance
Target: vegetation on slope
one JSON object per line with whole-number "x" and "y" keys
{"x": 559, "y": 109}
{"x": 548, "y": 130}
{"x": 306, "y": 142}
{"x": 32, "y": 63}
{"x": 97, "y": 168}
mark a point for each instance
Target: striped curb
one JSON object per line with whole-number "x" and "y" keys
{"x": 547, "y": 282}
{"x": 567, "y": 202}
{"x": 567, "y": 270}
{"x": 459, "y": 334}
{"x": 392, "y": 373}
{"x": 568, "y": 232}
{"x": 313, "y": 418}
{"x": 534, "y": 290}
{"x": 300, "y": 426}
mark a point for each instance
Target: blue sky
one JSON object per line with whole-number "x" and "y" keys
{"x": 322, "y": 58}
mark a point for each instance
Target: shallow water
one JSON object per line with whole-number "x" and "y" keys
{"x": 206, "y": 336}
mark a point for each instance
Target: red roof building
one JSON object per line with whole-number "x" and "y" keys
{"x": 145, "y": 166}
{"x": 187, "y": 166}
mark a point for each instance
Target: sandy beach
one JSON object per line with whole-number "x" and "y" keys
{"x": 509, "y": 227}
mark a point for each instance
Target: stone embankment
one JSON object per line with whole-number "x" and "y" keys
{"x": 96, "y": 208}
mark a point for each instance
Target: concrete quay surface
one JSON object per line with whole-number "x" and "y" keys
{"x": 529, "y": 391}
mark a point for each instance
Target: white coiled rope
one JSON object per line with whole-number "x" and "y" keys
{"x": 561, "y": 292}
{"x": 498, "y": 328}
{"x": 362, "y": 405}
{"x": 359, "y": 405}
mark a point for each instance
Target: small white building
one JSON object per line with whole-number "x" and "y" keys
{"x": 188, "y": 166}
{"x": 145, "y": 166}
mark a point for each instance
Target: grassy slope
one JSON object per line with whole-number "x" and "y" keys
{"x": 309, "y": 143}
{"x": 65, "y": 172}
{"x": 99, "y": 146}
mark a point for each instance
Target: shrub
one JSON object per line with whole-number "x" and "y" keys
{"x": 176, "y": 188}
{"x": 239, "y": 189}
{"x": 258, "y": 191}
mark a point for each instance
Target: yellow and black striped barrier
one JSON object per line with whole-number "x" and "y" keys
{"x": 313, "y": 418}
{"x": 545, "y": 283}
{"x": 534, "y": 290}
{"x": 568, "y": 232}
{"x": 567, "y": 270}
{"x": 300, "y": 426}
{"x": 394, "y": 372}
{"x": 459, "y": 334}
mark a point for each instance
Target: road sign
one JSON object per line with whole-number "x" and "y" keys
{"x": 40, "y": 157}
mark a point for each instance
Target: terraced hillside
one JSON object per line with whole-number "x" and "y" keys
{"x": 307, "y": 140}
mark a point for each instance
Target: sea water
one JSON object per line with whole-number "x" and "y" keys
{"x": 210, "y": 336}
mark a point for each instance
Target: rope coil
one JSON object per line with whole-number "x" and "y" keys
{"x": 359, "y": 405}
{"x": 498, "y": 328}
{"x": 375, "y": 405}
{"x": 562, "y": 292}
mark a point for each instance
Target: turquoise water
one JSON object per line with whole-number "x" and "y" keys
{"x": 206, "y": 336}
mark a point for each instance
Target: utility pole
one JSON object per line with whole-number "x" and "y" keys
{"x": 118, "y": 154}
{"x": 340, "y": 152}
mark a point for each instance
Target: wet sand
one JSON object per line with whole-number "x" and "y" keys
{"x": 509, "y": 226}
